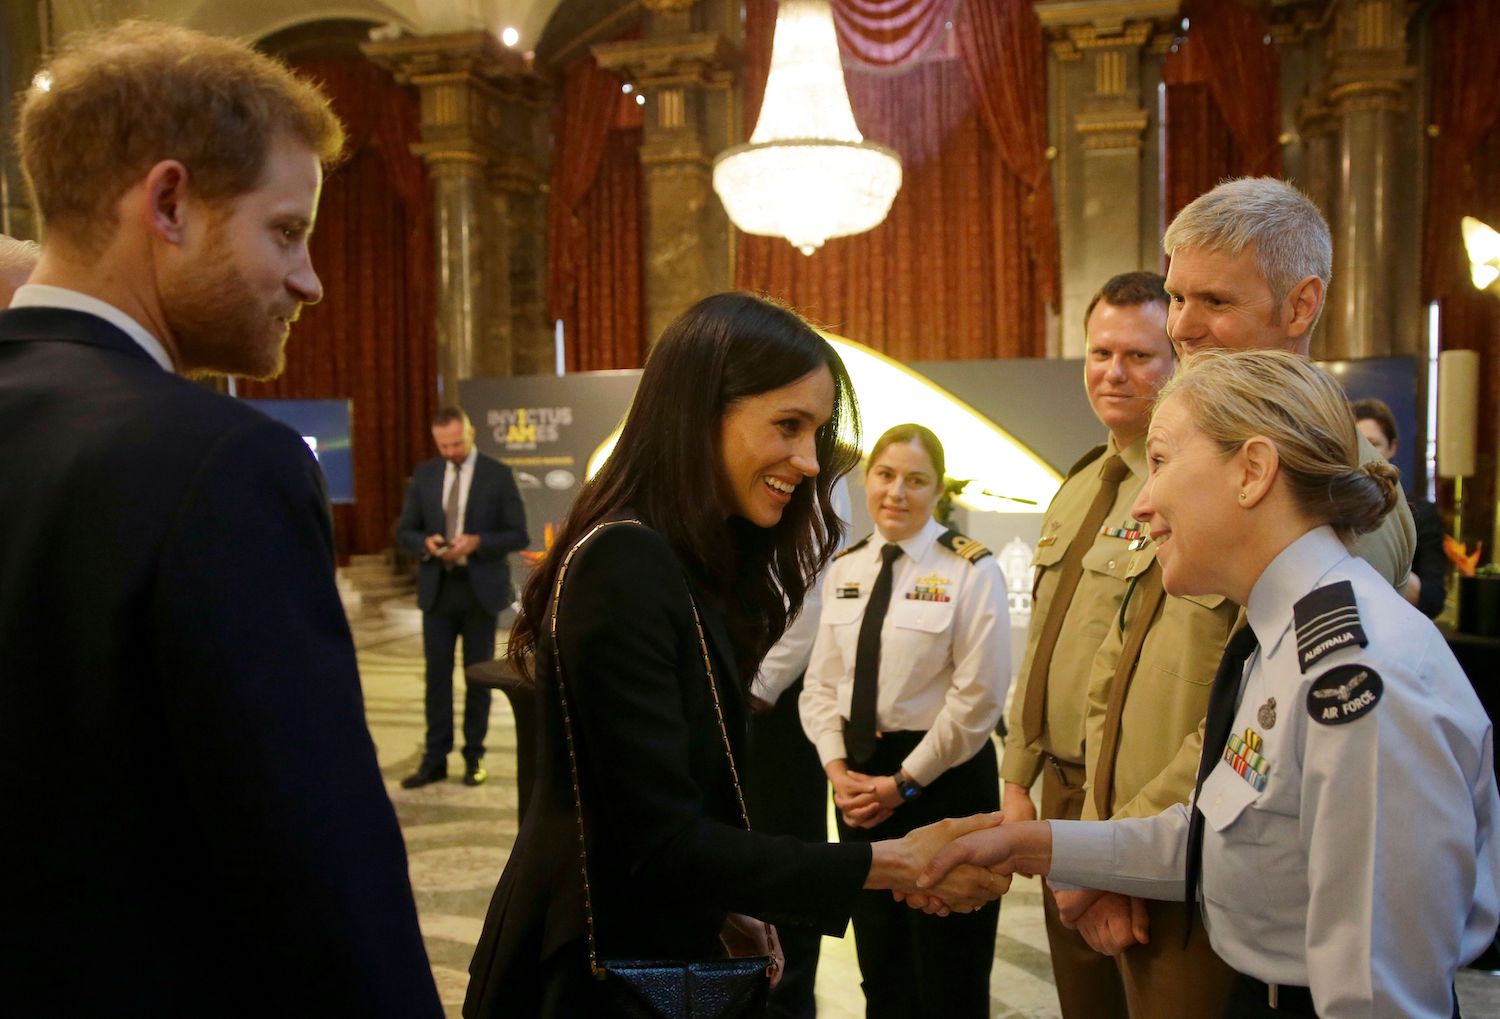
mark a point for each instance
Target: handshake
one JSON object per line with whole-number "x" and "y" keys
{"x": 959, "y": 864}
{"x": 963, "y": 863}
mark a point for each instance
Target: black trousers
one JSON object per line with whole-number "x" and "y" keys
{"x": 912, "y": 964}
{"x": 456, "y": 612}
{"x": 1248, "y": 1000}
{"x": 786, "y": 793}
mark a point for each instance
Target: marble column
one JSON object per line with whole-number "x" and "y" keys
{"x": 683, "y": 69}
{"x": 483, "y": 138}
{"x": 1367, "y": 91}
{"x": 1102, "y": 74}
{"x": 20, "y": 53}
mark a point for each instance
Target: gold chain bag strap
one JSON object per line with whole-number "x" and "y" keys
{"x": 733, "y": 988}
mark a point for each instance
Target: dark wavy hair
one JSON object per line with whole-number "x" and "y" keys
{"x": 667, "y": 469}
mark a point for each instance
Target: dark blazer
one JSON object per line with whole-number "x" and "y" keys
{"x": 494, "y": 512}
{"x": 195, "y": 820}
{"x": 668, "y": 856}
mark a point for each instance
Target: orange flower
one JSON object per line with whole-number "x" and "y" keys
{"x": 1459, "y": 555}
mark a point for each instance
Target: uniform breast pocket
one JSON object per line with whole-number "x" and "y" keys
{"x": 843, "y": 611}
{"x": 1225, "y": 797}
{"x": 1109, "y": 556}
{"x": 1252, "y": 860}
{"x": 1047, "y": 556}
{"x": 920, "y": 636}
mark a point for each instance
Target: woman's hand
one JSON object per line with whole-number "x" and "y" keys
{"x": 745, "y": 937}
{"x": 897, "y": 863}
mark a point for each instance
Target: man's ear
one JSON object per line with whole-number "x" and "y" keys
{"x": 1258, "y": 462}
{"x": 1302, "y": 306}
{"x": 166, "y": 199}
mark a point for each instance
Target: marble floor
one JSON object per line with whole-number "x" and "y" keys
{"x": 458, "y": 840}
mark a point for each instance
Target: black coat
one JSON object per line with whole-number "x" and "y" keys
{"x": 195, "y": 822}
{"x": 494, "y": 513}
{"x": 668, "y": 856}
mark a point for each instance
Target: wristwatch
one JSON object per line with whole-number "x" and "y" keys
{"x": 908, "y": 790}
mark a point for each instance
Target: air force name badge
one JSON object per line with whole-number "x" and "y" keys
{"x": 1344, "y": 693}
{"x": 1327, "y": 620}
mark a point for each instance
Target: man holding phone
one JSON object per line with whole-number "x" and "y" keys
{"x": 463, "y": 515}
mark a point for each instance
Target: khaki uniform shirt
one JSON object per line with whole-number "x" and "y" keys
{"x": 1161, "y": 731}
{"x": 1096, "y": 601}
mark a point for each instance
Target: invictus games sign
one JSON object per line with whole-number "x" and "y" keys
{"x": 526, "y": 428}
{"x": 545, "y": 428}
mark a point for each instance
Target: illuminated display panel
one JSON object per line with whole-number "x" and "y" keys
{"x": 977, "y": 449}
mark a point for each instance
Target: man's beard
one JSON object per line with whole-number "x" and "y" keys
{"x": 219, "y": 326}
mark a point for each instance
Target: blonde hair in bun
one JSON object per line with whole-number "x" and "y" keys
{"x": 1303, "y": 412}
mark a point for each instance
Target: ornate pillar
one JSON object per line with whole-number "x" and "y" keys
{"x": 1367, "y": 92}
{"x": 481, "y": 107}
{"x": 687, "y": 80}
{"x": 20, "y": 53}
{"x": 1101, "y": 73}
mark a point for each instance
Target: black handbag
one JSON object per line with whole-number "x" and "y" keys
{"x": 734, "y": 988}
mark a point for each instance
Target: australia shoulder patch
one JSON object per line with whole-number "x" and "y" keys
{"x": 963, "y": 546}
{"x": 1344, "y": 693}
{"x": 1327, "y": 620}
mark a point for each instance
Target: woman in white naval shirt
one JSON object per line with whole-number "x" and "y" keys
{"x": 1346, "y": 814}
{"x": 907, "y": 679}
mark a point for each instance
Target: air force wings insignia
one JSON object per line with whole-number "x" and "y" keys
{"x": 1344, "y": 693}
{"x": 1327, "y": 620}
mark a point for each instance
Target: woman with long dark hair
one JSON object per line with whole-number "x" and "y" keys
{"x": 678, "y": 566}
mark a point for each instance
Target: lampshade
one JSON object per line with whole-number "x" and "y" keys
{"x": 1483, "y": 245}
{"x": 806, "y": 174}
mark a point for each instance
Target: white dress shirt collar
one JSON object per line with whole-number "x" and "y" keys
{"x": 39, "y": 295}
{"x": 916, "y": 546}
{"x": 1294, "y": 572}
{"x": 467, "y": 462}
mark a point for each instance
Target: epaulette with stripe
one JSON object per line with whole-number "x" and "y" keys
{"x": 1087, "y": 459}
{"x": 963, "y": 546}
{"x": 861, "y": 543}
{"x": 1327, "y": 620}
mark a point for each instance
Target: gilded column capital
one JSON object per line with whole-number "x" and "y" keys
{"x": 1075, "y": 28}
{"x": 477, "y": 97}
{"x": 1368, "y": 44}
{"x": 1111, "y": 36}
{"x": 691, "y": 60}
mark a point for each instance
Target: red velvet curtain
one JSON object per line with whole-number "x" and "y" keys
{"x": 1204, "y": 153}
{"x": 372, "y": 339}
{"x": 888, "y": 33}
{"x": 951, "y": 273}
{"x": 594, "y": 222}
{"x": 605, "y": 326}
{"x": 1006, "y": 62}
{"x": 1223, "y": 102}
{"x": 1464, "y": 180}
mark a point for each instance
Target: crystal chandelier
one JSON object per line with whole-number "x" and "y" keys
{"x": 807, "y": 174}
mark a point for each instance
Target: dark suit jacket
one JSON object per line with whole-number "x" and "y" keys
{"x": 195, "y": 820}
{"x": 494, "y": 512}
{"x": 668, "y": 856}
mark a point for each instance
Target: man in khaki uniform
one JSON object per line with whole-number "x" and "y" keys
{"x": 1081, "y": 562}
{"x": 1149, "y": 683}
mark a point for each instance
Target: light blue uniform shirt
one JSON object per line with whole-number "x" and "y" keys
{"x": 1357, "y": 858}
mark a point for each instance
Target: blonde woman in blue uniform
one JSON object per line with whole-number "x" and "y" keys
{"x": 906, "y": 682}
{"x": 1344, "y": 824}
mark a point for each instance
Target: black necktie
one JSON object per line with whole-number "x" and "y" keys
{"x": 859, "y": 734}
{"x": 1223, "y": 698}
